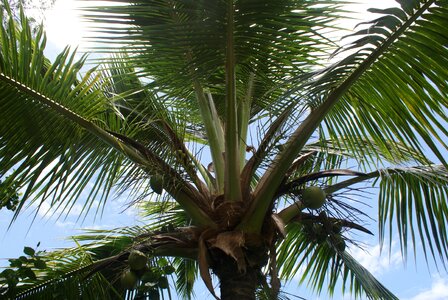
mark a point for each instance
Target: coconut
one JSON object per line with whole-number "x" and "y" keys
{"x": 128, "y": 280}
{"x": 141, "y": 272}
{"x": 319, "y": 234}
{"x": 154, "y": 294}
{"x": 319, "y": 229}
{"x": 137, "y": 260}
{"x": 313, "y": 197}
{"x": 156, "y": 183}
{"x": 336, "y": 227}
{"x": 163, "y": 282}
{"x": 339, "y": 243}
{"x": 168, "y": 270}
{"x": 150, "y": 276}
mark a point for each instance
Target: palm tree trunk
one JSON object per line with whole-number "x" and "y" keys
{"x": 233, "y": 283}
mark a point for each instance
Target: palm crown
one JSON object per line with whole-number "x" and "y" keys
{"x": 170, "y": 119}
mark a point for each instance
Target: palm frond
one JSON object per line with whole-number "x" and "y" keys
{"x": 50, "y": 152}
{"x": 262, "y": 152}
{"x": 162, "y": 214}
{"x": 415, "y": 198}
{"x": 322, "y": 264}
{"x": 367, "y": 153}
{"x": 94, "y": 268}
{"x": 149, "y": 119}
{"x": 400, "y": 97}
{"x": 76, "y": 135}
{"x": 151, "y": 29}
{"x": 186, "y": 275}
{"x": 197, "y": 62}
{"x": 65, "y": 275}
{"x": 339, "y": 81}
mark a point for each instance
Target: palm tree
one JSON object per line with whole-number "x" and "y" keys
{"x": 241, "y": 131}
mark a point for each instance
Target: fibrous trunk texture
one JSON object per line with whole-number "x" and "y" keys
{"x": 236, "y": 285}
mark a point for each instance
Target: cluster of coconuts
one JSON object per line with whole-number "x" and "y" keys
{"x": 150, "y": 278}
{"x": 314, "y": 197}
{"x": 319, "y": 233}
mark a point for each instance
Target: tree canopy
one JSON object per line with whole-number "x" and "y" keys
{"x": 239, "y": 128}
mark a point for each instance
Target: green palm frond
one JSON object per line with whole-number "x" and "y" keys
{"x": 361, "y": 280}
{"x": 93, "y": 269}
{"x": 322, "y": 264}
{"x": 415, "y": 198}
{"x": 367, "y": 152}
{"x": 180, "y": 36}
{"x": 400, "y": 96}
{"x": 327, "y": 154}
{"x": 198, "y": 44}
{"x": 412, "y": 200}
{"x": 193, "y": 81}
{"x": 76, "y": 135}
{"x": 66, "y": 275}
{"x": 148, "y": 119}
{"x": 323, "y": 161}
{"x": 186, "y": 275}
{"x": 51, "y": 151}
{"x": 332, "y": 88}
{"x": 263, "y": 151}
{"x": 162, "y": 214}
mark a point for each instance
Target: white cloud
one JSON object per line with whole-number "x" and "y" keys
{"x": 376, "y": 261}
{"x": 438, "y": 291}
{"x": 98, "y": 227}
{"x": 65, "y": 224}
{"x": 48, "y": 211}
{"x": 121, "y": 204}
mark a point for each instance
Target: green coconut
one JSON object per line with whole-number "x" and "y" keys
{"x": 318, "y": 229}
{"x": 137, "y": 260}
{"x": 168, "y": 270}
{"x": 339, "y": 243}
{"x": 150, "y": 276}
{"x": 156, "y": 183}
{"x": 154, "y": 294}
{"x": 320, "y": 235}
{"x": 336, "y": 227}
{"x": 141, "y": 272}
{"x": 163, "y": 282}
{"x": 313, "y": 197}
{"x": 128, "y": 280}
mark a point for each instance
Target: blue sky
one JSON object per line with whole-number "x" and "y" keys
{"x": 408, "y": 280}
